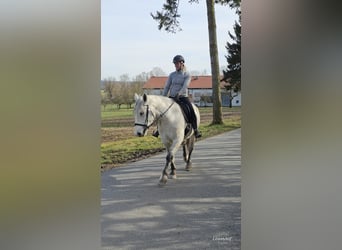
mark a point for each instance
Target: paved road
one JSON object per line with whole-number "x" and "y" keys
{"x": 199, "y": 210}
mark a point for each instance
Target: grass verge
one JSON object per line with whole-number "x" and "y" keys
{"x": 116, "y": 153}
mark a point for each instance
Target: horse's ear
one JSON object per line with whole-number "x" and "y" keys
{"x": 145, "y": 97}
{"x": 136, "y": 97}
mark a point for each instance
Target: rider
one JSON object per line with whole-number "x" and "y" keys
{"x": 177, "y": 88}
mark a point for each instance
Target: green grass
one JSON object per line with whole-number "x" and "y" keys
{"x": 209, "y": 110}
{"x": 111, "y": 112}
{"x": 118, "y": 152}
{"x": 211, "y": 130}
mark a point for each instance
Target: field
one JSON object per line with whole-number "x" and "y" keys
{"x": 119, "y": 145}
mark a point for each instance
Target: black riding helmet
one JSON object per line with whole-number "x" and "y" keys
{"x": 178, "y": 58}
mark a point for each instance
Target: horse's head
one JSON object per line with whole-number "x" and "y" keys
{"x": 142, "y": 115}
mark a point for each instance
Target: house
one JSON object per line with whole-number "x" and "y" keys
{"x": 200, "y": 90}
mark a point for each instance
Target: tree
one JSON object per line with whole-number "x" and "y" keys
{"x": 137, "y": 87}
{"x": 122, "y": 92}
{"x": 104, "y": 100}
{"x": 156, "y": 71}
{"x": 142, "y": 77}
{"x": 206, "y": 99}
{"x": 124, "y": 78}
{"x": 232, "y": 74}
{"x": 214, "y": 63}
{"x": 119, "y": 94}
{"x": 168, "y": 19}
{"x": 108, "y": 89}
{"x": 125, "y": 93}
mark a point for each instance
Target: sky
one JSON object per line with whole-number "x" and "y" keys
{"x": 131, "y": 42}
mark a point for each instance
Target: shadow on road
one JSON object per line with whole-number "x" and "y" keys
{"x": 199, "y": 210}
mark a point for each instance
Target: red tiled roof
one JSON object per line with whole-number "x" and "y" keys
{"x": 197, "y": 82}
{"x": 155, "y": 82}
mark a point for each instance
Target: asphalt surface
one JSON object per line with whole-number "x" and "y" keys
{"x": 198, "y": 210}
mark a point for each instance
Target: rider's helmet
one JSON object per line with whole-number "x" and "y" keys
{"x": 178, "y": 58}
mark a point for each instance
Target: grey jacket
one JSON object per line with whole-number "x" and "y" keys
{"x": 177, "y": 83}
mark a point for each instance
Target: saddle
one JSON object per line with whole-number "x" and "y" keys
{"x": 186, "y": 114}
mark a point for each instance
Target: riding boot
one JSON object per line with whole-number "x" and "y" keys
{"x": 155, "y": 133}
{"x": 198, "y": 134}
{"x": 187, "y": 129}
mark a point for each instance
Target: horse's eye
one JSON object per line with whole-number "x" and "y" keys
{"x": 141, "y": 113}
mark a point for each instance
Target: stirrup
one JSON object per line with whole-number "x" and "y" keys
{"x": 187, "y": 130}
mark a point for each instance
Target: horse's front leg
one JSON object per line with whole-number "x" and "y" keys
{"x": 170, "y": 160}
{"x": 164, "y": 176}
{"x": 173, "y": 151}
{"x": 173, "y": 169}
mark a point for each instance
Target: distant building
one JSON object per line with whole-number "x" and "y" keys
{"x": 200, "y": 90}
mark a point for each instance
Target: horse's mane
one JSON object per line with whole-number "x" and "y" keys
{"x": 163, "y": 99}
{"x": 155, "y": 100}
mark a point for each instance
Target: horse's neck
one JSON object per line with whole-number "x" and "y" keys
{"x": 162, "y": 105}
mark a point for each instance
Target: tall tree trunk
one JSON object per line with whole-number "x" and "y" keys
{"x": 215, "y": 72}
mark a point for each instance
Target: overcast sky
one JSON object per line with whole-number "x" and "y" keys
{"x": 131, "y": 42}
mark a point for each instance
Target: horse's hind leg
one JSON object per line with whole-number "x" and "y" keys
{"x": 185, "y": 152}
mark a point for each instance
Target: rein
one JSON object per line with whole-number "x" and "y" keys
{"x": 145, "y": 125}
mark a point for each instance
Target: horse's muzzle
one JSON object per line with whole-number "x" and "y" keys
{"x": 140, "y": 131}
{"x": 140, "y": 134}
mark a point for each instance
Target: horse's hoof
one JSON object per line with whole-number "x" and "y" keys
{"x": 173, "y": 176}
{"x": 188, "y": 166}
{"x": 163, "y": 180}
{"x": 161, "y": 184}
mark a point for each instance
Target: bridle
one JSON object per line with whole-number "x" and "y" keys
{"x": 148, "y": 111}
{"x": 145, "y": 125}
